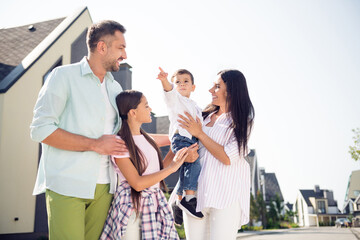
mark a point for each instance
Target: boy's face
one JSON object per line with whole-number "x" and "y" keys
{"x": 183, "y": 84}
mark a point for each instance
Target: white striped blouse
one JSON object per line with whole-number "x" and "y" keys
{"x": 220, "y": 185}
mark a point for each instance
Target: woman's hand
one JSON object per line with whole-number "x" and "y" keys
{"x": 191, "y": 125}
{"x": 179, "y": 159}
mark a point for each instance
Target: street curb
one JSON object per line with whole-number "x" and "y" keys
{"x": 356, "y": 233}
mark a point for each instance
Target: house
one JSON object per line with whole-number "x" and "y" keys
{"x": 288, "y": 206}
{"x": 263, "y": 182}
{"x": 316, "y": 207}
{"x": 352, "y": 196}
{"x": 269, "y": 187}
{"x": 28, "y": 55}
{"x": 254, "y": 172}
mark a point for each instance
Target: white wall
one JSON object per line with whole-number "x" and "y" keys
{"x": 18, "y": 154}
{"x": 332, "y": 210}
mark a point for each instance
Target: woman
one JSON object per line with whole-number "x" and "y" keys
{"x": 224, "y": 182}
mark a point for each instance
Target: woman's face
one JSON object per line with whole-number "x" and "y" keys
{"x": 218, "y": 93}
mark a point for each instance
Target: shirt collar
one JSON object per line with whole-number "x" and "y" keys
{"x": 85, "y": 69}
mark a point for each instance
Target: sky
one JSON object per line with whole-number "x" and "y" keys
{"x": 301, "y": 59}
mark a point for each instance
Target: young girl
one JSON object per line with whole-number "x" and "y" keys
{"x": 139, "y": 209}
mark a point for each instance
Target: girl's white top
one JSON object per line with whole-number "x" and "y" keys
{"x": 220, "y": 185}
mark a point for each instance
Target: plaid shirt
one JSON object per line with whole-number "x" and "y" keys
{"x": 156, "y": 223}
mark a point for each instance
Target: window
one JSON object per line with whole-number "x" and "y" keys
{"x": 356, "y": 193}
{"x": 56, "y": 64}
{"x": 321, "y": 207}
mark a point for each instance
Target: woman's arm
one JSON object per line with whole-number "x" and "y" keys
{"x": 195, "y": 129}
{"x": 138, "y": 182}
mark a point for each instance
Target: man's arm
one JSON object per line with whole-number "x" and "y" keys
{"x": 48, "y": 109}
{"x": 105, "y": 145}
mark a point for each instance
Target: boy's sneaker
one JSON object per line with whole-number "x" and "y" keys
{"x": 177, "y": 214}
{"x": 190, "y": 208}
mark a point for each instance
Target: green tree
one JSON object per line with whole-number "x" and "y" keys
{"x": 254, "y": 210}
{"x": 279, "y": 207}
{"x": 275, "y": 212}
{"x": 289, "y": 216}
{"x": 261, "y": 207}
{"x": 355, "y": 150}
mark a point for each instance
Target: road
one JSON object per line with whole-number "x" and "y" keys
{"x": 313, "y": 233}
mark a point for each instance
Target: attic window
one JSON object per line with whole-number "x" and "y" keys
{"x": 31, "y": 28}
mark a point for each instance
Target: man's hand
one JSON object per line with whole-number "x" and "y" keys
{"x": 109, "y": 145}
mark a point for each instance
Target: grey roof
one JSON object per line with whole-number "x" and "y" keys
{"x": 18, "y": 42}
{"x": 289, "y": 206}
{"x": 272, "y": 187}
{"x": 250, "y": 158}
{"x": 251, "y": 153}
{"x": 317, "y": 195}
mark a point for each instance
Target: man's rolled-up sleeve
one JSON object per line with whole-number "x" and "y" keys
{"x": 49, "y": 107}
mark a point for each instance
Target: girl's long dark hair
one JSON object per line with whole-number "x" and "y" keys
{"x": 126, "y": 101}
{"x": 239, "y": 105}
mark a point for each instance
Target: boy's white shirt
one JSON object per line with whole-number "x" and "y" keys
{"x": 178, "y": 104}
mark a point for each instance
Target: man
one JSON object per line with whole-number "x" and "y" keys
{"x": 75, "y": 119}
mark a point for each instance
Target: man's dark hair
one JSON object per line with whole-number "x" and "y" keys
{"x": 101, "y": 29}
{"x": 180, "y": 72}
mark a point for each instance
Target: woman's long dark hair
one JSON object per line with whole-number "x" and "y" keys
{"x": 126, "y": 101}
{"x": 239, "y": 105}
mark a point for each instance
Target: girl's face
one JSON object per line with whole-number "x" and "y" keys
{"x": 143, "y": 111}
{"x": 218, "y": 93}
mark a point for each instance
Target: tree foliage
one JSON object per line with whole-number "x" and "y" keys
{"x": 261, "y": 205}
{"x": 355, "y": 150}
{"x": 254, "y": 210}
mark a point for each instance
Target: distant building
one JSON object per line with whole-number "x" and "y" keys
{"x": 262, "y": 181}
{"x": 352, "y": 196}
{"x": 28, "y": 55}
{"x": 289, "y": 208}
{"x": 315, "y": 207}
{"x": 269, "y": 186}
{"x": 254, "y": 172}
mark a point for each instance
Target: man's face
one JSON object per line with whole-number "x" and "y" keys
{"x": 115, "y": 52}
{"x": 183, "y": 84}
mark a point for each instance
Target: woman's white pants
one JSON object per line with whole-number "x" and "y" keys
{"x": 216, "y": 224}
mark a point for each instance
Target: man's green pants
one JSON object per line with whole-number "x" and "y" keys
{"x": 77, "y": 218}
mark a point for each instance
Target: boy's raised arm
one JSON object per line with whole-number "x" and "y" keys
{"x": 162, "y": 76}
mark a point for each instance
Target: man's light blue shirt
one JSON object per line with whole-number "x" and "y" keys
{"x": 71, "y": 99}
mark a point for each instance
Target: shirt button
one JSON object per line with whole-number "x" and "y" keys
{"x": 102, "y": 119}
